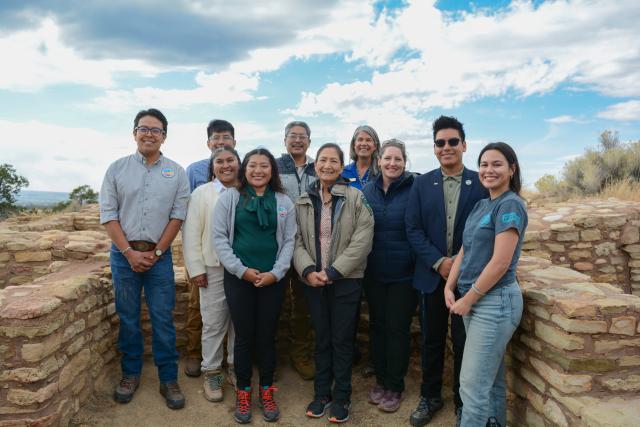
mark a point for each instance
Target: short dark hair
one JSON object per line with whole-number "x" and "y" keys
{"x": 289, "y": 125}
{"x": 335, "y": 147}
{"x": 447, "y": 122}
{"x": 515, "y": 183}
{"x": 275, "y": 183}
{"x": 153, "y": 113}
{"x": 215, "y": 154}
{"x": 218, "y": 125}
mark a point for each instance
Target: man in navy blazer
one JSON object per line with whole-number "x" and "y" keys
{"x": 439, "y": 204}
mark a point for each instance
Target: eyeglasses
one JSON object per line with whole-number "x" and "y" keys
{"x": 452, "y": 142}
{"x": 143, "y": 130}
{"x": 294, "y": 136}
{"x": 225, "y": 138}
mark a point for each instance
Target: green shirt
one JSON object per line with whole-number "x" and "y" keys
{"x": 451, "y": 191}
{"x": 255, "y": 227}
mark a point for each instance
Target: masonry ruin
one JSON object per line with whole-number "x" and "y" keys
{"x": 575, "y": 359}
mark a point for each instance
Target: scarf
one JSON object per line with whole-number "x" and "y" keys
{"x": 259, "y": 205}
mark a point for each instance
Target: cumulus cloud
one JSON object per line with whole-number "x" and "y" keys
{"x": 563, "y": 119}
{"x": 516, "y": 52}
{"x": 624, "y": 111}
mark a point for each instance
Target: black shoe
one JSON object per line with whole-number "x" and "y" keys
{"x": 425, "y": 410}
{"x": 339, "y": 412}
{"x": 126, "y": 388}
{"x": 318, "y": 407}
{"x": 493, "y": 422}
{"x": 172, "y": 395}
{"x": 458, "y": 416}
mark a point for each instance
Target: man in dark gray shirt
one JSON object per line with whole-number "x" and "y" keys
{"x": 143, "y": 201}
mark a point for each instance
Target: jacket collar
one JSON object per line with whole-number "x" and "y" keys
{"x": 405, "y": 179}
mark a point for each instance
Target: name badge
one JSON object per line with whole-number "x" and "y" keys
{"x": 168, "y": 172}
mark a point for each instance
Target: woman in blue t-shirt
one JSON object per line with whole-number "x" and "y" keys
{"x": 484, "y": 272}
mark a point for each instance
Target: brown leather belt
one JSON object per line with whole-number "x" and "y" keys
{"x": 142, "y": 245}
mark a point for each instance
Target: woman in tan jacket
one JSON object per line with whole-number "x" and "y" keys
{"x": 335, "y": 231}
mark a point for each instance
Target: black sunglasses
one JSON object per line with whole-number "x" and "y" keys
{"x": 452, "y": 142}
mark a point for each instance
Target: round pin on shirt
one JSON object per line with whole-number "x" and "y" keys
{"x": 468, "y": 182}
{"x": 168, "y": 172}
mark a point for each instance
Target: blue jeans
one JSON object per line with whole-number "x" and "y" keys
{"x": 160, "y": 294}
{"x": 489, "y": 325}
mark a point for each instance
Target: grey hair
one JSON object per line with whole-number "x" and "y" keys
{"x": 376, "y": 140}
{"x": 288, "y": 127}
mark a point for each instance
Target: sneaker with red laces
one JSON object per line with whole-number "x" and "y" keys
{"x": 270, "y": 411}
{"x": 242, "y": 413}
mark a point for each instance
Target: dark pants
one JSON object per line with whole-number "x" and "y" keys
{"x": 160, "y": 294}
{"x": 391, "y": 308}
{"x": 300, "y": 323}
{"x": 254, "y": 312}
{"x": 333, "y": 315}
{"x": 434, "y": 317}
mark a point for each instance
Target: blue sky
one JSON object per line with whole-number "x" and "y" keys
{"x": 546, "y": 77}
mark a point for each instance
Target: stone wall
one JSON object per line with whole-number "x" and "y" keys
{"x": 575, "y": 360}
{"x": 599, "y": 238}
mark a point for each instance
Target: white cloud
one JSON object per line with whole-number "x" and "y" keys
{"x": 624, "y": 111}
{"x": 561, "y": 119}
{"x": 520, "y": 51}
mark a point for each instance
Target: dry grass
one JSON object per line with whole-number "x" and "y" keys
{"x": 624, "y": 190}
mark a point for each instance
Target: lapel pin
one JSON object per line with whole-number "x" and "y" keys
{"x": 435, "y": 183}
{"x": 468, "y": 182}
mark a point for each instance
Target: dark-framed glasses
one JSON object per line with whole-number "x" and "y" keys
{"x": 451, "y": 141}
{"x": 143, "y": 130}
{"x": 218, "y": 138}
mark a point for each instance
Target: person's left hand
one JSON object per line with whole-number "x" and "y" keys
{"x": 265, "y": 279}
{"x": 461, "y": 307}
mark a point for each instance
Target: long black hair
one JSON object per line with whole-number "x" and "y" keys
{"x": 515, "y": 183}
{"x": 274, "y": 182}
{"x": 215, "y": 154}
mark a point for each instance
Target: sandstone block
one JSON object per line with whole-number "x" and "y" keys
{"x": 29, "y": 308}
{"x": 630, "y": 383}
{"x": 616, "y": 412}
{"x": 568, "y": 236}
{"x": 76, "y": 366}
{"x": 630, "y": 234}
{"x": 535, "y": 400}
{"x": 603, "y": 346}
{"x": 72, "y": 330}
{"x": 605, "y": 248}
{"x": 76, "y": 345}
{"x": 555, "y": 247}
{"x": 557, "y": 338}
{"x": 533, "y": 379}
{"x": 4, "y": 256}
{"x": 566, "y": 383}
{"x": 533, "y": 419}
{"x": 31, "y": 375}
{"x": 31, "y": 331}
{"x": 576, "y": 308}
{"x": 583, "y": 266}
{"x": 579, "y": 254}
{"x": 23, "y": 397}
{"x": 580, "y": 325}
{"x": 611, "y": 305}
{"x": 623, "y": 325}
{"x": 538, "y": 311}
{"x": 573, "y": 404}
{"x": 96, "y": 317}
{"x": 581, "y": 245}
{"x": 553, "y": 412}
{"x": 562, "y": 226}
{"x": 38, "y": 351}
{"x": 629, "y": 360}
{"x": 19, "y": 280}
{"x": 579, "y": 363}
{"x": 32, "y": 256}
{"x": 87, "y": 304}
{"x": 590, "y": 235}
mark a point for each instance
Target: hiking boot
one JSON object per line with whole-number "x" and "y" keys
{"x": 493, "y": 422}
{"x": 318, "y": 407}
{"x": 125, "y": 390}
{"x": 425, "y": 411}
{"x": 242, "y": 413}
{"x": 391, "y": 401}
{"x": 231, "y": 375}
{"x": 213, "y": 386}
{"x": 376, "y": 394}
{"x": 172, "y": 395}
{"x": 304, "y": 366}
{"x": 458, "y": 416}
{"x": 192, "y": 366}
{"x": 339, "y": 412}
{"x": 270, "y": 411}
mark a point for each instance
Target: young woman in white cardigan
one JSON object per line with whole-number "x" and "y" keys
{"x": 205, "y": 270}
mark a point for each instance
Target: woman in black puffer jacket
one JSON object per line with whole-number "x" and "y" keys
{"x": 387, "y": 284}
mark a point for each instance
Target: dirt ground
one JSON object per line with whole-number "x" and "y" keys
{"x": 148, "y": 408}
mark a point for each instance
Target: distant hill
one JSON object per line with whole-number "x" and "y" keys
{"x": 30, "y": 199}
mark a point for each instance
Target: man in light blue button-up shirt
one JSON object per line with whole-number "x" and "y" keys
{"x": 143, "y": 201}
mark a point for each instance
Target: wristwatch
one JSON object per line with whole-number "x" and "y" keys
{"x": 158, "y": 252}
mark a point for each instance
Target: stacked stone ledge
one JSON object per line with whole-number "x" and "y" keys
{"x": 600, "y": 238}
{"x": 575, "y": 359}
